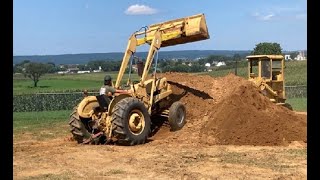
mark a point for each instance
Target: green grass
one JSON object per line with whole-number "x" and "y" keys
{"x": 296, "y": 73}
{"x": 46, "y": 85}
{"x": 33, "y": 121}
{"x": 298, "y": 104}
{"x": 57, "y": 82}
{"x": 90, "y": 76}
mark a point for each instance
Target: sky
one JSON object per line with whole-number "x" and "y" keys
{"x": 52, "y": 27}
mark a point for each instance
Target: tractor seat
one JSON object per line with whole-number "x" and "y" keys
{"x": 103, "y": 101}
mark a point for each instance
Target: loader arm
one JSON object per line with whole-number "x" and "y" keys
{"x": 155, "y": 45}
{"x": 131, "y": 49}
{"x": 169, "y": 33}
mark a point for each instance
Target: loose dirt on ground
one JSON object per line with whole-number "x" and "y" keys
{"x": 232, "y": 132}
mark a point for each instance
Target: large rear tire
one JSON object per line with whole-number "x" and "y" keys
{"x": 131, "y": 122}
{"x": 77, "y": 128}
{"x": 177, "y": 116}
{"x": 80, "y": 131}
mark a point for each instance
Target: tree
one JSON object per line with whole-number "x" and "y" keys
{"x": 14, "y": 69}
{"x": 163, "y": 63}
{"x": 23, "y": 63}
{"x": 52, "y": 68}
{"x": 266, "y": 48}
{"x": 202, "y": 61}
{"x": 294, "y": 54}
{"x": 83, "y": 67}
{"x": 35, "y": 70}
{"x": 196, "y": 68}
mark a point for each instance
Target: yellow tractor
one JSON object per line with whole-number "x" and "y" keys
{"x": 126, "y": 119}
{"x": 267, "y": 73}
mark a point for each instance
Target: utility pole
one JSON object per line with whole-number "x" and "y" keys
{"x": 236, "y": 57}
{"x": 236, "y": 69}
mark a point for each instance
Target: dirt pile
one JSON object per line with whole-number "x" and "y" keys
{"x": 230, "y": 110}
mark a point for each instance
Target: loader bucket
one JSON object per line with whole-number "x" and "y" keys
{"x": 181, "y": 31}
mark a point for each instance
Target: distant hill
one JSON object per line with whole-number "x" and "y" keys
{"x": 85, "y": 58}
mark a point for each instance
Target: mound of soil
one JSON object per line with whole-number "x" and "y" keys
{"x": 230, "y": 110}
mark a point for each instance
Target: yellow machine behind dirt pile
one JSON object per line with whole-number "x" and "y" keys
{"x": 126, "y": 119}
{"x": 267, "y": 73}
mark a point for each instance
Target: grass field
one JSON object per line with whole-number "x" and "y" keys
{"x": 42, "y": 125}
{"x": 55, "y": 82}
{"x": 54, "y": 85}
{"x": 298, "y": 104}
{"x": 34, "y": 120}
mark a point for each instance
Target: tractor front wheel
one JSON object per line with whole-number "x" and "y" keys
{"x": 177, "y": 116}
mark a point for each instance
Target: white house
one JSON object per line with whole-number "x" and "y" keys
{"x": 73, "y": 70}
{"x": 99, "y": 70}
{"x": 300, "y": 56}
{"x": 82, "y": 72}
{"x": 287, "y": 57}
{"x": 221, "y": 63}
{"x": 214, "y": 63}
{"x": 63, "y": 72}
{"x": 207, "y": 65}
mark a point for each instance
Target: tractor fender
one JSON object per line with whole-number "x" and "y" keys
{"x": 86, "y": 106}
{"x": 115, "y": 100}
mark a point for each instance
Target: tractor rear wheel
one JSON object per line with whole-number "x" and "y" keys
{"x": 131, "y": 122}
{"x": 77, "y": 128}
{"x": 80, "y": 131}
{"x": 177, "y": 116}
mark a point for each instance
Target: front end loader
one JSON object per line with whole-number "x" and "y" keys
{"x": 126, "y": 119}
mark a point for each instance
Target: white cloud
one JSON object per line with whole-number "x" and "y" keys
{"x": 282, "y": 13}
{"x": 267, "y": 17}
{"x": 263, "y": 17}
{"x": 140, "y": 10}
